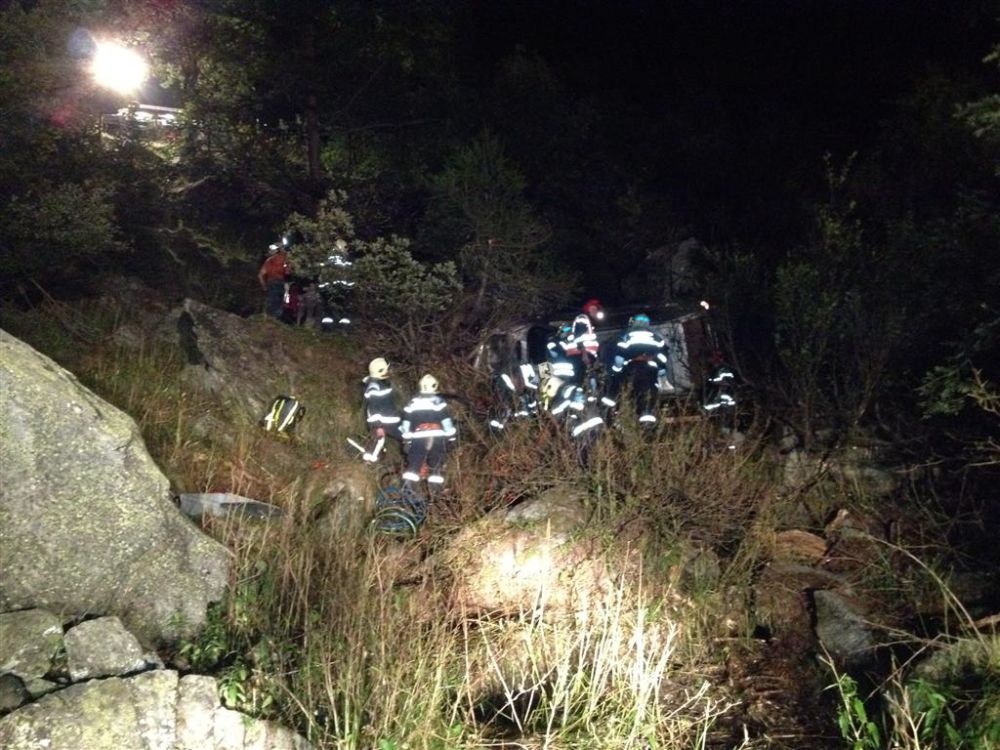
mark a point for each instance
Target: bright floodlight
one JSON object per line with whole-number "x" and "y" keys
{"x": 118, "y": 68}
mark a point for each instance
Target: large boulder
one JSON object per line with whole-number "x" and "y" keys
{"x": 243, "y": 363}
{"x": 156, "y": 710}
{"x": 104, "y": 648}
{"x": 29, "y": 640}
{"x": 534, "y": 557}
{"x": 86, "y": 521}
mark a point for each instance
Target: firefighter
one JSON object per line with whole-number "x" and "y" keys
{"x": 557, "y": 352}
{"x": 569, "y": 403}
{"x": 426, "y": 429}
{"x": 641, "y": 357}
{"x": 583, "y": 352}
{"x": 718, "y": 394}
{"x": 381, "y": 410}
{"x": 515, "y": 396}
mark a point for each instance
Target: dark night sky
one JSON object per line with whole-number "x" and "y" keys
{"x": 834, "y": 63}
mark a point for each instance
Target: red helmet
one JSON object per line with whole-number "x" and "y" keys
{"x": 594, "y": 309}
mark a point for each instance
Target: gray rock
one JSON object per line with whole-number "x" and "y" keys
{"x": 843, "y": 630}
{"x": 39, "y": 687}
{"x": 958, "y": 661}
{"x": 86, "y": 524}
{"x": 104, "y": 648}
{"x": 561, "y": 504}
{"x": 700, "y": 569}
{"x": 245, "y": 365}
{"x": 346, "y": 504}
{"x": 151, "y": 711}
{"x": 12, "y": 692}
{"x": 28, "y": 641}
{"x": 196, "y": 704}
{"x": 863, "y": 477}
{"x": 533, "y": 558}
{"x": 801, "y": 468}
{"x": 108, "y": 713}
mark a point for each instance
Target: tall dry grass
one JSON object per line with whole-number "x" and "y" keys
{"x": 361, "y": 656}
{"x": 327, "y": 628}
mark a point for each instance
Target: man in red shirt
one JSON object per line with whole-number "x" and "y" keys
{"x": 272, "y": 280}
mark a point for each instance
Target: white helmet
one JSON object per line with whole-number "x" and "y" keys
{"x": 428, "y": 384}
{"x": 582, "y": 324}
{"x": 378, "y": 368}
{"x": 550, "y": 389}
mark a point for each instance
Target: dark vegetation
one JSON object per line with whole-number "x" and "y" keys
{"x": 839, "y": 165}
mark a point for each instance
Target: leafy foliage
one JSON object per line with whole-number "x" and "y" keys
{"x": 488, "y": 226}
{"x": 393, "y": 293}
{"x": 856, "y": 727}
{"x": 983, "y": 115}
{"x": 54, "y": 231}
{"x": 835, "y": 324}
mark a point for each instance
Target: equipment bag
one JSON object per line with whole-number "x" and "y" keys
{"x": 399, "y": 512}
{"x": 284, "y": 414}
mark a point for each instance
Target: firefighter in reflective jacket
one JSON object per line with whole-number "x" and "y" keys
{"x": 641, "y": 356}
{"x": 718, "y": 397}
{"x": 583, "y": 353}
{"x": 515, "y": 396}
{"x": 557, "y": 351}
{"x": 568, "y": 402}
{"x": 381, "y": 411}
{"x": 426, "y": 428}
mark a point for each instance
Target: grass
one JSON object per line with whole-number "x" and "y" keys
{"x": 378, "y": 660}
{"x": 341, "y": 635}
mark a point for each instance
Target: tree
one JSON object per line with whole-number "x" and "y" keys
{"x": 983, "y": 115}
{"x": 487, "y": 225}
{"x": 401, "y": 300}
{"x": 835, "y": 323}
{"x": 57, "y": 184}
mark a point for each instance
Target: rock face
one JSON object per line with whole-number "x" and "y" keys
{"x": 86, "y": 524}
{"x": 843, "y": 629}
{"x": 240, "y": 363}
{"x": 156, "y": 710}
{"x": 104, "y": 648}
{"x": 528, "y": 558}
{"x": 29, "y": 639}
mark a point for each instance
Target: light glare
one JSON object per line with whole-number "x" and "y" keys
{"x": 118, "y": 68}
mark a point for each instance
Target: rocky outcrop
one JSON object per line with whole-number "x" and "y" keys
{"x": 86, "y": 523}
{"x": 530, "y": 558}
{"x": 104, "y": 648}
{"x": 29, "y": 640}
{"x": 158, "y": 710}
{"x": 78, "y": 710}
{"x": 243, "y": 364}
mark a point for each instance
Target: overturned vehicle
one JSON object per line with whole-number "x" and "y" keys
{"x": 685, "y": 329}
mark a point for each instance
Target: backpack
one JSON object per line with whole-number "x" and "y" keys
{"x": 284, "y": 414}
{"x": 399, "y": 512}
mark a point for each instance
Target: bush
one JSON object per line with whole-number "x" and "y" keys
{"x": 52, "y": 233}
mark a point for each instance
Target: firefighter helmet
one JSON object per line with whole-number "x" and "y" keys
{"x": 428, "y": 384}
{"x": 378, "y": 368}
{"x": 594, "y": 309}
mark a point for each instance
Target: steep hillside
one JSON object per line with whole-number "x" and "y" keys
{"x": 669, "y": 593}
